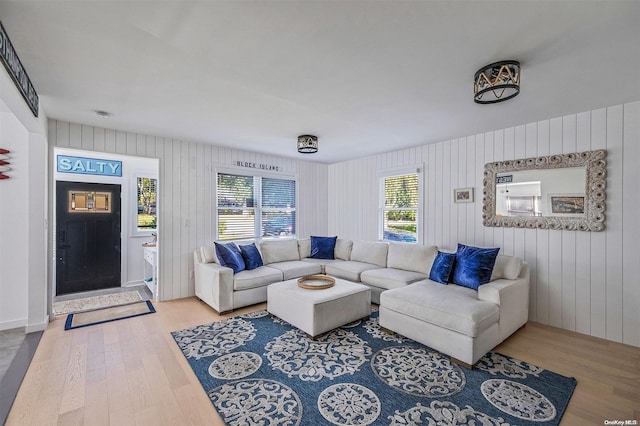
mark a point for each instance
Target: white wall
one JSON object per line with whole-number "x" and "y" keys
{"x": 580, "y": 281}
{"x": 23, "y": 295}
{"x": 186, "y": 187}
{"x": 14, "y": 202}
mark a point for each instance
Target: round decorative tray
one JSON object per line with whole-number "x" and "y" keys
{"x": 316, "y": 282}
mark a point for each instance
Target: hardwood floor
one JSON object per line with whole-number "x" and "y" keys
{"x": 131, "y": 372}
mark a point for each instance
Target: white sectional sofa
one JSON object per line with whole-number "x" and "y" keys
{"x": 459, "y": 321}
{"x": 383, "y": 266}
{"x": 224, "y": 291}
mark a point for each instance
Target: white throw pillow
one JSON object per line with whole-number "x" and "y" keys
{"x": 304, "y": 248}
{"x": 506, "y": 267}
{"x": 343, "y": 249}
{"x": 208, "y": 254}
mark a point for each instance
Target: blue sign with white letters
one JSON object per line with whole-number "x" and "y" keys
{"x": 88, "y": 166}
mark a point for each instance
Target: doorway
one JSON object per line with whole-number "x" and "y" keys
{"x": 88, "y": 240}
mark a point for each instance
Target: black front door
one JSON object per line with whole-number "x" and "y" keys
{"x": 87, "y": 236}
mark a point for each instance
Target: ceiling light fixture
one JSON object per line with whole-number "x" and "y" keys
{"x": 307, "y": 144}
{"x": 496, "y": 82}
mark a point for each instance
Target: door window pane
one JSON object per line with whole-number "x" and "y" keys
{"x": 89, "y": 202}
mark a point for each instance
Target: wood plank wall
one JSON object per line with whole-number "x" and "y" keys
{"x": 587, "y": 282}
{"x": 186, "y": 187}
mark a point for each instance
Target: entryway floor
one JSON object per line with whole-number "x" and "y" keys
{"x": 16, "y": 352}
{"x": 17, "y": 348}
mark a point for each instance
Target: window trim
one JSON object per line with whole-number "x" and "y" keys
{"x": 135, "y": 231}
{"x": 241, "y": 171}
{"x": 400, "y": 171}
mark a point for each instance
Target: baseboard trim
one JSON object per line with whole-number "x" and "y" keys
{"x": 9, "y": 325}
{"x": 33, "y": 328}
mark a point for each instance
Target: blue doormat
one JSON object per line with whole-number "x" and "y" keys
{"x": 108, "y": 314}
{"x": 258, "y": 369}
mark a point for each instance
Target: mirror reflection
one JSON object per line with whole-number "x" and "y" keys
{"x": 547, "y": 192}
{"x": 563, "y": 191}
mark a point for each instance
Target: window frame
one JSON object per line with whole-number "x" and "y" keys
{"x": 402, "y": 171}
{"x": 136, "y": 231}
{"x": 258, "y": 209}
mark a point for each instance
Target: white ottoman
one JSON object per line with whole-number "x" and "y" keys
{"x": 317, "y": 311}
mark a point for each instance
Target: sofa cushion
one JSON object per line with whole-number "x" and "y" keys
{"x": 388, "y": 278}
{"x": 370, "y": 252}
{"x": 296, "y": 268}
{"x": 473, "y": 266}
{"x": 442, "y": 267}
{"x": 323, "y": 247}
{"x": 251, "y": 256}
{"x": 230, "y": 256}
{"x": 349, "y": 270}
{"x": 411, "y": 257}
{"x": 208, "y": 254}
{"x": 279, "y": 251}
{"x": 343, "y": 249}
{"x": 442, "y": 306}
{"x": 506, "y": 267}
{"x": 321, "y": 262}
{"x": 258, "y": 277}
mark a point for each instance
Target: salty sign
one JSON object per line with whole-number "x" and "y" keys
{"x": 89, "y": 166}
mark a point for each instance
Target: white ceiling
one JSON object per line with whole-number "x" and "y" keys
{"x": 364, "y": 76}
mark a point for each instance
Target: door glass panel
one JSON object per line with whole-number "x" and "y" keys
{"x": 89, "y": 202}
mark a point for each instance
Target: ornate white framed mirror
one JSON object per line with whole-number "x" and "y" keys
{"x": 566, "y": 191}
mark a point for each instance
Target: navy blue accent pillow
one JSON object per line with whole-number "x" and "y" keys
{"x": 230, "y": 256}
{"x": 474, "y": 265}
{"x": 251, "y": 256}
{"x": 323, "y": 247}
{"x": 442, "y": 267}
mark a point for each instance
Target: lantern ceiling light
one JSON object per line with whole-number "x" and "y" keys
{"x": 496, "y": 82}
{"x": 307, "y": 144}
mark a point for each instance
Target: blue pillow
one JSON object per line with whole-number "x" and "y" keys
{"x": 323, "y": 247}
{"x": 251, "y": 256}
{"x": 474, "y": 265}
{"x": 230, "y": 256}
{"x": 442, "y": 267}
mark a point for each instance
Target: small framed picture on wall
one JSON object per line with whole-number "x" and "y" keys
{"x": 463, "y": 195}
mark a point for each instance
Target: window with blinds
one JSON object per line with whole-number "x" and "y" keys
{"x": 400, "y": 207}
{"x": 255, "y": 206}
{"x": 146, "y": 197}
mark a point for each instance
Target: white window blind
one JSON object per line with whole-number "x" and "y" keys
{"x": 253, "y": 206}
{"x": 278, "y": 207}
{"x": 400, "y": 207}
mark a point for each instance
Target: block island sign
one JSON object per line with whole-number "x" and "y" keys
{"x": 251, "y": 165}
{"x": 88, "y": 166}
{"x": 17, "y": 72}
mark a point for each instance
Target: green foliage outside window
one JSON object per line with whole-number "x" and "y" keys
{"x": 401, "y": 206}
{"x": 147, "y": 203}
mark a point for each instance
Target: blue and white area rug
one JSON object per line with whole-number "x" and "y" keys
{"x": 259, "y": 370}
